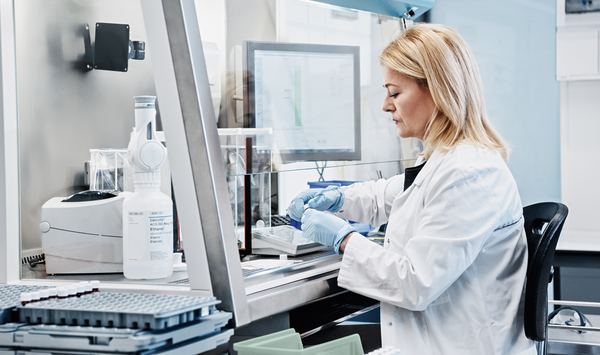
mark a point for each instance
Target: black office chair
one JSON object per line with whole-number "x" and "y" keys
{"x": 543, "y": 224}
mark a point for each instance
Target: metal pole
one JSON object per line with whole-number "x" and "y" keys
{"x": 197, "y": 167}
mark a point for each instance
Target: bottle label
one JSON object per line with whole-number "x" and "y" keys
{"x": 150, "y": 235}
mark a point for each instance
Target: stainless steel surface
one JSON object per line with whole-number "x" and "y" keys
{"x": 304, "y": 270}
{"x": 338, "y": 321}
{"x": 64, "y": 112}
{"x": 563, "y": 339}
{"x": 574, "y": 303}
{"x": 288, "y": 296}
{"x": 573, "y": 328}
{"x": 569, "y": 349}
{"x": 285, "y": 288}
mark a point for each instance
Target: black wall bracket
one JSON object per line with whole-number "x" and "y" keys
{"x": 111, "y": 49}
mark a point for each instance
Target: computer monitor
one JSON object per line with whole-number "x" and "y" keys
{"x": 309, "y": 94}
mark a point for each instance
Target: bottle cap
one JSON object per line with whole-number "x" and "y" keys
{"x": 147, "y": 179}
{"x": 44, "y": 294}
{"x": 25, "y": 296}
{"x": 35, "y": 295}
{"x": 87, "y": 287}
{"x": 80, "y": 288}
{"x": 62, "y": 292}
{"x": 72, "y": 290}
{"x": 177, "y": 258}
{"x": 95, "y": 284}
{"x": 144, "y": 101}
{"x": 52, "y": 291}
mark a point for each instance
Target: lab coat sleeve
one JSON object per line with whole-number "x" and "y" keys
{"x": 371, "y": 201}
{"x": 459, "y": 213}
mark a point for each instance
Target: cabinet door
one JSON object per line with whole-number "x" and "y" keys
{"x": 577, "y": 54}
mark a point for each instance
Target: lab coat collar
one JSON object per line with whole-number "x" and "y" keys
{"x": 433, "y": 161}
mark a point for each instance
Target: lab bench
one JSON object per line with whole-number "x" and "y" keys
{"x": 303, "y": 295}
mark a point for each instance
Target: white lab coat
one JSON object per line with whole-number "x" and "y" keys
{"x": 451, "y": 273}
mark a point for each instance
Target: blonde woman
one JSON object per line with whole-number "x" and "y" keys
{"x": 451, "y": 272}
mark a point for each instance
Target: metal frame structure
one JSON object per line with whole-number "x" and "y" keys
{"x": 191, "y": 133}
{"x": 9, "y": 158}
{"x": 197, "y": 171}
{"x": 198, "y": 177}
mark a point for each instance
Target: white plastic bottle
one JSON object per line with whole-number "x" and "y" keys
{"x": 147, "y": 213}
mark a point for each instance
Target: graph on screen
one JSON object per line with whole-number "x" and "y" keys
{"x": 309, "y": 95}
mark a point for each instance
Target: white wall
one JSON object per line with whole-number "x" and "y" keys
{"x": 579, "y": 72}
{"x": 580, "y": 126}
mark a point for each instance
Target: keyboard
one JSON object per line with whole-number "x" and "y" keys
{"x": 278, "y": 220}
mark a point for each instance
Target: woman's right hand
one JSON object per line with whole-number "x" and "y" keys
{"x": 330, "y": 199}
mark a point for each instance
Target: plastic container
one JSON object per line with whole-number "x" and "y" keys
{"x": 288, "y": 342}
{"x": 148, "y": 212}
{"x": 110, "y": 170}
{"x": 324, "y": 184}
{"x": 147, "y": 234}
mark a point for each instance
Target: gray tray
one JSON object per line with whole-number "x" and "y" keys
{"x": 10, "y": 297}
{"x": 120, "y": 310}
{"x": 189, "y": 347}
{"x": 44, "y": 336}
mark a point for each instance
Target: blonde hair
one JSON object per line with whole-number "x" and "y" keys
{"x": 437, "y": 57}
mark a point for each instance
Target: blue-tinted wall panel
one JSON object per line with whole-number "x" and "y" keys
{"x": 514, "y": 44}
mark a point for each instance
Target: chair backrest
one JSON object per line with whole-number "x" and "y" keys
{"x": 543, "y": 224}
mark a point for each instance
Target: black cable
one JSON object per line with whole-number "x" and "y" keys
{"x": 582, "y": 319}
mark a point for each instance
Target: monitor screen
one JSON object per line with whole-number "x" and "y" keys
{"x": 309, "y": 94}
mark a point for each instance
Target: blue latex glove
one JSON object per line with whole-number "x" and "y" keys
{"x": 330, "y": 199}
{"x": 325, "y": 228}
{"x": 296, "y": 207}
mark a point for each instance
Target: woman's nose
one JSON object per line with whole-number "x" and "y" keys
{"x": 388, "y": 105}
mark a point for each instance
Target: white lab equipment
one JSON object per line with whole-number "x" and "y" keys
{"x": 282, "y": 239}
{"x": 83, "y": 233}
{"x": 147, "y": 213}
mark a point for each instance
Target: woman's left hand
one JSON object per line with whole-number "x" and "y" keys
{"x": 325, "y": 228}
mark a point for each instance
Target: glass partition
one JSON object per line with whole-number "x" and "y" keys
{"x": 68, "y": 111}
{"x": 309, "y": 71}
{"x": 73, "y": 121}
{"x": 290, "y": 74}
